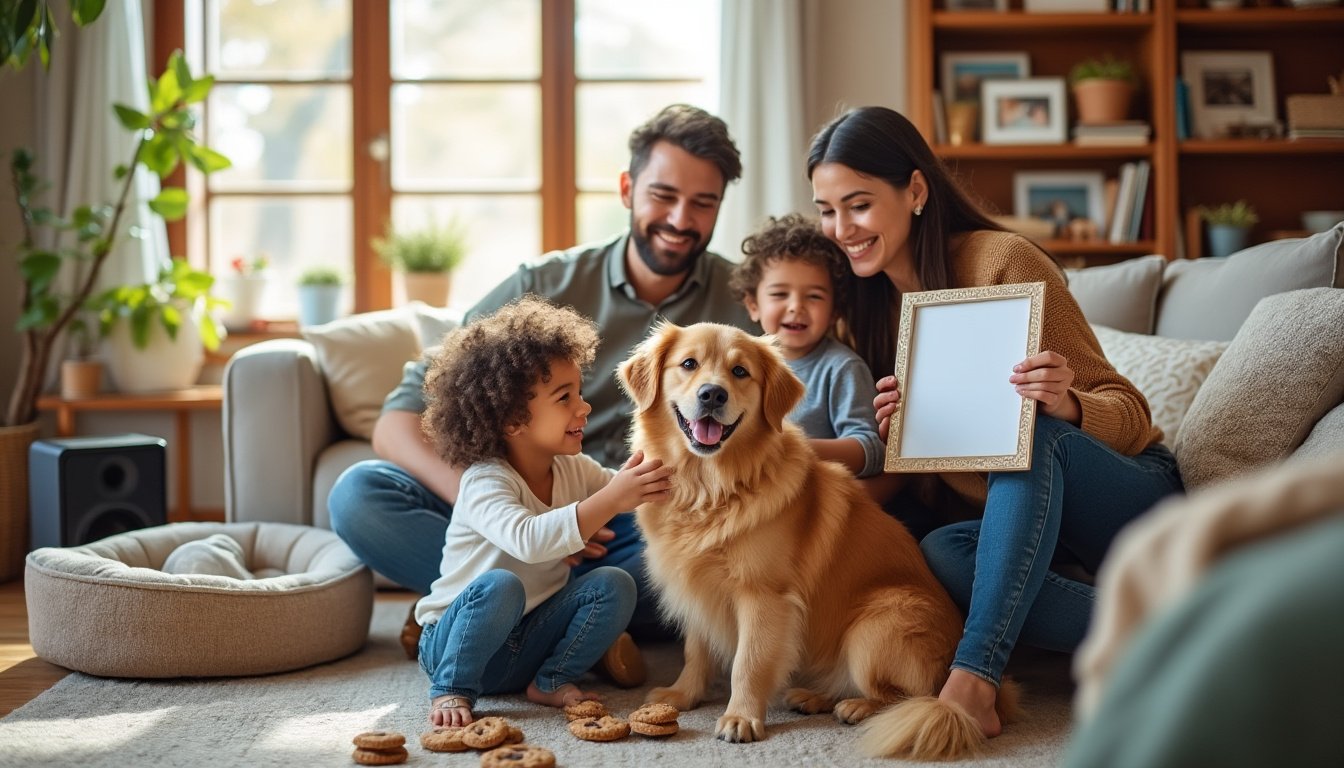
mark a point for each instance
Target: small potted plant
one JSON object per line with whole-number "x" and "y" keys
{"x": 244, "y": 286}
{"x": 424, "y": 259}
{"x": 1102, "y": 89}
{"x": 82, "y": 371}
{"x": 319, "y": 295}
{"x": 1229, "y": 224}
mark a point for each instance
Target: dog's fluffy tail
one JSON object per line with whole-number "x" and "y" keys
{"x": 925, "y": 728}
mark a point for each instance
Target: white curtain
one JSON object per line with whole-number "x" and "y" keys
{"x": 762, "y": 98}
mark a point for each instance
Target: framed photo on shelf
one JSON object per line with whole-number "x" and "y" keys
{"x": 954, "y": 349}
{"x": 977, "y": 5}
{"x": 1059, "y": 197}
{"x": 1028, "y": 111}
{"x": 1228, "y": 88}
{"x": 963, "y": 72}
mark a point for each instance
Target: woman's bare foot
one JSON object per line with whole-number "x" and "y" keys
{"x": 563, "y": 696}
{"x": 450, "y": 710}
{"x": 976, "y": 696}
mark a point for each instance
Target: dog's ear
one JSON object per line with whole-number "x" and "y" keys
{"x": 783, "y": 390}
{"x": 641, "y": 373}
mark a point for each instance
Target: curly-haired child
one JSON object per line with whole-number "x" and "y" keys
{"x": 791, "y": 282}
{"x": 504, "y": 401}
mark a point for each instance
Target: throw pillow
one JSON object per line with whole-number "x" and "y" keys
{"x": 1168, "y": 372}
{"x": 1281, "y": 374}
{"x": 433, "y": 322}
{"x": 216, "y": 555}
{"x": 361, "y": 359}
{"x": 1121, "y": 296}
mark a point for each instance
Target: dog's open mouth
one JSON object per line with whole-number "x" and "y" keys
{"x": 706, "y": 434}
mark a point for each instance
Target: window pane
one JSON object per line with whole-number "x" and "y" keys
{"x": 466, "y": 137}
{"x": 631, "y": 39}
{"x": 294, "y": 232}
{"x": 467, "y": 39}
{"x": 608, "y": 112}
{"x": 282, "y": 137}
{"x": 601, "y": 216}
{"x": 503, "y": 231}
{"x": 268, "y": 40}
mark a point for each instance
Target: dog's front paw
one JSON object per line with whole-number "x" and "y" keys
{"x": 852, "y": 711}
{"x": 679, "y": 699}
{"x": 807, "y": 701}
{"x": 740, "y": 730}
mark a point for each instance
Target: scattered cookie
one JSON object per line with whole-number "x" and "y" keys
{"x": 515, "y": 735}
{"x": 390, "y": 756}
{"x": 605, "y": 728}
{"x": 485, "y": 733}
{"x": 656, "y": 730}
{"x": 444, "y": 738}
{"x": 586, "y": 708}
{"x": 379, "y": 740}
{"x": 518, "y": 756}
{"x": 657, "y": 713}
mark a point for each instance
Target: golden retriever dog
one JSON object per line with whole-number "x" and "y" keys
{"x": 777, "y": 565}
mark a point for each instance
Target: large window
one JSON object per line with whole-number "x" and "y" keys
{"x": 508, "y": 117}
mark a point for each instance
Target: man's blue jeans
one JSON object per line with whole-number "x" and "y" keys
{"x": 1073, "y": 501}
{"x": 396, "y": 526}
{"x": 484, "y": 644}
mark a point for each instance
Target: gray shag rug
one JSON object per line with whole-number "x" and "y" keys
{"x": 307, "y": 718}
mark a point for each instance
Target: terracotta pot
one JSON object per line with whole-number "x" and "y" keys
{"x": 429, "y": 287}
{"x": 14, "y": 443}
{"x": 1102, "y": 101}
{"x": 81, "y": 379}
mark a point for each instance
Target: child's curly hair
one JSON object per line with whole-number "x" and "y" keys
{"x": 792, "y": 237}
{"x": 478, "y": 384}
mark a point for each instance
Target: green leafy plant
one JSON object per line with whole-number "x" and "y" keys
{"x": 1105, "y": 68}
{"x": 165, "y": 301}
{"x": 1238, "y": 214}
{"x": 321, "y": 276}
{"x": 433, "y": 249}
{"x": 28, "y": 26}
{"x": 81, "y": 241}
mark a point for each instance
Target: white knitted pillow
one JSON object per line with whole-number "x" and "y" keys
{"x": 1167, "y": 371}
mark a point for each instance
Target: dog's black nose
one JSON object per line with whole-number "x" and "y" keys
{"x": 712, "y": 396}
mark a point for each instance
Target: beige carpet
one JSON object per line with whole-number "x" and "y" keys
{"x": 307, "y": 718}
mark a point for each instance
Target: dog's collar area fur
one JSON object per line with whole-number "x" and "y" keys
{"x": 696, "y": 445}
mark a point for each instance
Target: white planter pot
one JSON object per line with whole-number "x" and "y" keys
{"x": 430, "y": 287}
{"x": 247, "y": 293}
{"x": 164, "y": 363}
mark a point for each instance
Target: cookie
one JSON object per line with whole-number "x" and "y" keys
{"x": 654, "y": 729}
{"x": 586, "y": 708}
{"x": 656, "y": 714}
{"x": 518, "y": 756}
{"x": 379, "y": 740}
{"x": 485, "y": 733}
{"x": 389, "y": 756}
{"x": 605, "y": 728}
{"x": 444, "y": 738}
{"x": 515, "y": 735}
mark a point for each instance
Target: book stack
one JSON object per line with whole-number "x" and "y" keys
{"x": 1124, "y": 224}
{"x": 1315, "y": 116}
{"x": 1126, "y": 133}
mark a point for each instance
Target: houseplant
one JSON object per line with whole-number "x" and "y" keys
{"x": 244, "y": 286}
{"x": 1102, "y": 89}
{"x": 319, "y": 295}
{"x": 1228, "y": 225}
{"x": 425, "y": 259}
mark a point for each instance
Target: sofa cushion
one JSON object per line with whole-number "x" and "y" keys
{"x": 1121, "y": 296}
{"x": 1326, "y": 438}
{"x": 1209, "y": 298}
{"x": 1280, "y": 375}
{"x": 1168, "y": 372}
{"x": 361, "y": 359}
{"x": 433, "y": 322}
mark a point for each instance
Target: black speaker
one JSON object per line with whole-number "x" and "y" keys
{"x": 82, "y": 489}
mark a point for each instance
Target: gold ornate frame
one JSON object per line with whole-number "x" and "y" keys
{"x": 952, "y": 349}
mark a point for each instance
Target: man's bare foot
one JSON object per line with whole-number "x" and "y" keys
{"x": 976, "y": 696}
{"x": 450, "y": 710}
{"x": 563, "y": 696}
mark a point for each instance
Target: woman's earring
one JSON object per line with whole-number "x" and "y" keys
{"x": 919, "y": 209}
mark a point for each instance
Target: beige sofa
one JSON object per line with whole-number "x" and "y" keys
{"x": 1242, "y": 359}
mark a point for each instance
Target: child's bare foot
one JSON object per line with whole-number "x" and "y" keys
{"x": 563, "y": 696}
{"x": 450, "y": 710}
{"x": 976, "y": 696}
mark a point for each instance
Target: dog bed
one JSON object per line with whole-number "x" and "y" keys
{"x": 298, "y": 596}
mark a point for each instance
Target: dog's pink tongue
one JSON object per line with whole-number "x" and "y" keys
{"x": 707, "y": 431}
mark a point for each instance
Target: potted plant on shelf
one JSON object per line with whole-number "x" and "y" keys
{"x": 319, "y": 295}
{"x": 82, "y": 371}
{"x": 244, "y": 287}
{"x": 1228, "y": 223}
{"x": 424, "y": 259}
{"x": 1102, "y": 89}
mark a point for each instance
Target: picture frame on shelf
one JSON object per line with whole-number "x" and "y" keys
{"x": 977, "y": 5}
{"x": 1060, "y": 197}
{"x": 1228, "y": 88}
{"x": 1027, "y": 111}
{"x": 964, "y": 72}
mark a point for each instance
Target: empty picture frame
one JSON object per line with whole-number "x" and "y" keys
{"x": 955, "y": 350}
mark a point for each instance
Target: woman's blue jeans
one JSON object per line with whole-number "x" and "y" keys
{"x": 1073, "y": 501}
{"x": 396, "y": 526}
{"x": 484, "y": 644}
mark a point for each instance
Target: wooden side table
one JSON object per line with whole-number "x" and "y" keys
{"x": 181, "y": 403}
